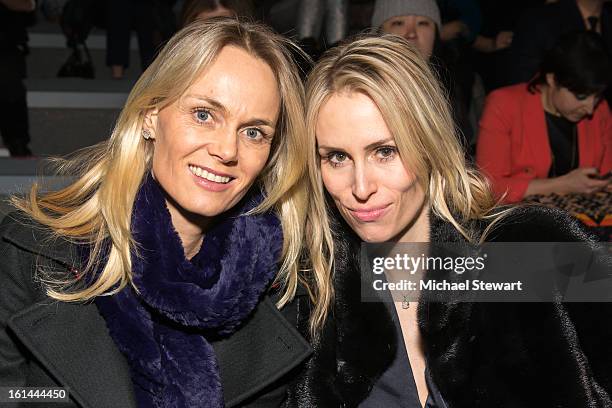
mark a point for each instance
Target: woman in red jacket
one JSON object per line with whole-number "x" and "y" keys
{"x": 554, "y": 134}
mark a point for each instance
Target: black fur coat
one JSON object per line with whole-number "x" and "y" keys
{"x": 479, "y": 354}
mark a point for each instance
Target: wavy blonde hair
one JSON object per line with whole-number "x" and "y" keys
{"x": 391, "y": 72}
{"x": 96, "y": 209}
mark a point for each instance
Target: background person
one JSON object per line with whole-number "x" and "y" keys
{"x": 418, "y": 21}
{"x": 554, "y": 134}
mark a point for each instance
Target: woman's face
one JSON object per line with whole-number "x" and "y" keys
{"x": 212, "y": 143}
{"x": 572, "y": 107}
{"x": 362, "y": 171}
{"x": 419, "y": 30}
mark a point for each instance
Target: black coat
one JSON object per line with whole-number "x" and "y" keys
{"x": 480, "y": 355}
{"x": 46, "y": 343}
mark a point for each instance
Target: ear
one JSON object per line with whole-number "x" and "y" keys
{"x": 150, "y": 121}
{"x": 550, "y": 80}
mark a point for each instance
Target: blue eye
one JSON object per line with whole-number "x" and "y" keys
{"x": 202, "y": 115}
{"x": 253, "y": 133}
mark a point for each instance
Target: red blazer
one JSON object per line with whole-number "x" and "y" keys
{"x": 513, "y": 146}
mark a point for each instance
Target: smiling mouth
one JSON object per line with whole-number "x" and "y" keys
{"x": 371, "y": 214}
{"x": 207, "y": 175}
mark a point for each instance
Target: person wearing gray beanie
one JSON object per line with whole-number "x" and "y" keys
{"x": 415, "y": 20}
{"x": 419, "y": 22}
{"x": 385, "y": 9}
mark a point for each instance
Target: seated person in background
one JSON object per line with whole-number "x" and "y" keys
{"x": 553, "y": 134}
{"x": 418, "y": 21}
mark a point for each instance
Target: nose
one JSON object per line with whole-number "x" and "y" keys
{"x": 364, "y": 184}
{"x": 410, "y": 31}
{"x": 225, "y": 147}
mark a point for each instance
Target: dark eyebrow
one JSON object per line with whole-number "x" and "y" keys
{"x": 220, "y": 107}
{"x": 371, "y": 146}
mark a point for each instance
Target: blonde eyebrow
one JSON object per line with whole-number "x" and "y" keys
{"x": 220, "y": 107}
{"x": 212, "y": 102}
{"x": 368, "y": 147}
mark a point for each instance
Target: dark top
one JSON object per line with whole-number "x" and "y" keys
{"x": 396, "y": 386}
{"x": 563, "y": 139}
{"x": 479, "y": 355}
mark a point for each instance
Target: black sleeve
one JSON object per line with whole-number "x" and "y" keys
{"x": 15, "y": 294}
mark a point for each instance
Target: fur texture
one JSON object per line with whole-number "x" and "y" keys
{"x": 479, "y": 354}
{"x": 165, "y": 328}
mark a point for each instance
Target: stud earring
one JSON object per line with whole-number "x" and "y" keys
{"x": 146, "y": 134}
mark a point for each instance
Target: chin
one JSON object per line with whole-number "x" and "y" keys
{"x": 213, "y": 204}
{"x": 374, "y": 236}
{"x": 209, "y": 213}
{"x": 204, "y": 209}
{"x": 575, "y": 118}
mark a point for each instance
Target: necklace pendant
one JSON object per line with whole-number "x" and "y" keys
{"x": 405, "y": 303}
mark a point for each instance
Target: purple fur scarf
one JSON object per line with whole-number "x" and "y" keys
{"x": 165, "y": 330}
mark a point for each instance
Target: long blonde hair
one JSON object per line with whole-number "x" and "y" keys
{"x": 96, "y": 209}
{"x": 392, "y": 73}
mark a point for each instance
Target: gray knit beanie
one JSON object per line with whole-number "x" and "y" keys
{"x": 385, "y": 9}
